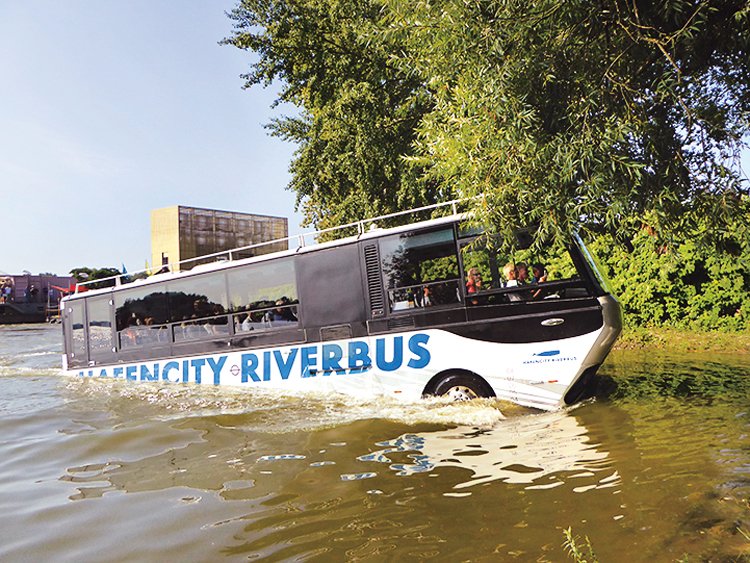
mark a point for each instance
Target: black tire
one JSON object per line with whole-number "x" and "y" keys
{"x": 462, "y": 387}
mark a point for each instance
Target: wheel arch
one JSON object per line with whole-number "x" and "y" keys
{"x": 432, "y": 384}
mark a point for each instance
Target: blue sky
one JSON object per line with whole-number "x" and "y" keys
{"x": 111, "y": 109}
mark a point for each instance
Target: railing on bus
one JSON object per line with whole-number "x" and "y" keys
{"x": 361, "y": 227}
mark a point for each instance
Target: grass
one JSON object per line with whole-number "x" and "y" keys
{"x": 579, "y": 550}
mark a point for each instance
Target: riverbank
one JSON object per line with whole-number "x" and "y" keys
{"x": 676, "y": 340}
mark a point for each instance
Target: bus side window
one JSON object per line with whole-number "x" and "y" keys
{"x": 140, "y": 315}
{"x": 199, "y": 306}
{"x": 99, "y": 325}
{"x": 264, "y": 296}
{"x": 420, "y": 269}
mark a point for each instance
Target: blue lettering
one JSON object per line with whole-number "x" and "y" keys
{"x": 117, "y": 372}
{"x": 198, "y": 364}
{"x": 91, "y": 373}
{"x": 249, "y": 364}
{"x": 185, "y": 371}
{"x": 103, "y": 373}
{"x": 285, "y": 368}
{"x": 359, "y": 356}
{"x": 332, "y": 354}
{"x": 147, "y": 375}
{"x": 418, "y": 347}
{"x": 266, "y": 366}
{"x": 169, "y": 366}
{"x": 308, "y": 361}
{"x": 398, "y": 354}
{"x": 216, "y": 368}
{"x": 130, "y": 374}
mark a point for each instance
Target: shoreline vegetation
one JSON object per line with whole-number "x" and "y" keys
{"x": 683, "y": 340}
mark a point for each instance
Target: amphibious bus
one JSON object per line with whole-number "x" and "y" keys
{"x": 396, "y": 311}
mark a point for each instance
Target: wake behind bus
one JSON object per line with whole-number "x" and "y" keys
{"x": 430, "y": 307}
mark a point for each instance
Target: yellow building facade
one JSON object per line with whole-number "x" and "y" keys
{"x": 181, "y": 233}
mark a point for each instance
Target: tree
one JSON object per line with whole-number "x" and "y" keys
{"x": 85, "y": 274}
{"x": 605, "y": 115}
{"x": 608, "y": 115}
{"x": 358, "y": 113}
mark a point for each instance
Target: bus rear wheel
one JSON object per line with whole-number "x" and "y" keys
{"x": 461, "y": 387}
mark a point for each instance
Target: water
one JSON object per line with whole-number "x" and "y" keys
{"x": 657, "y": 468}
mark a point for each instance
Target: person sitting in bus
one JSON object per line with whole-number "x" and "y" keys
{"x": 510, "y": 273}
{"x": 473, "y": 284}
{"x": 522, "y": 273}
{"x": 426, "y": 296}
{"x": 218, "y": 320}
{"x": 246, "y": 325}
{"x": 473, "y": 281}
{"x": 538, "y": 273}
{"x": 282, "y": 313}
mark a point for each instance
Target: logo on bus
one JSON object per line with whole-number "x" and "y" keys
{"x": 549, "y": 356}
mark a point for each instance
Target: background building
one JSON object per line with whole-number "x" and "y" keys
{"x": 180, "y": 233}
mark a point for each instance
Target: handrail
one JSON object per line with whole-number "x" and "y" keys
{"x": 174, "y": 266}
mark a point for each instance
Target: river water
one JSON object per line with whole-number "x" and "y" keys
{"x": 656, "y": 468}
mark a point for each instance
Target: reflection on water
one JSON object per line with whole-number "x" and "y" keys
{"x": 523, "y": 450}
{"x": 656, "y": 469}
{"x": 703, "y": 377}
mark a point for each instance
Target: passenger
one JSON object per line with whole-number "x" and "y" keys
{"x": 522, "y": 273}
{"x": 473, "y": 281}
{"x": 538, "y": 273}
{"x": 283, "y": 312}
{"x": 218, "y": 319}
{"x": 427, "y": 296}
{"x": 509, "y": 271}
{"x": 473, "y": 284}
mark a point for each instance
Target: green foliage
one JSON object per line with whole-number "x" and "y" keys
{"x": 685, "y": 285}
{"x": 358, "y": 112}
{"x": 85, "y": 274}
{"x": 582, "y": 115}
{"x": 587, "y": 115}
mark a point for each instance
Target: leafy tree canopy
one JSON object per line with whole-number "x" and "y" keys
{"x": 358, "y": 111}
{"x": 86, "y": 274}
{"x": 606, "y": 115}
